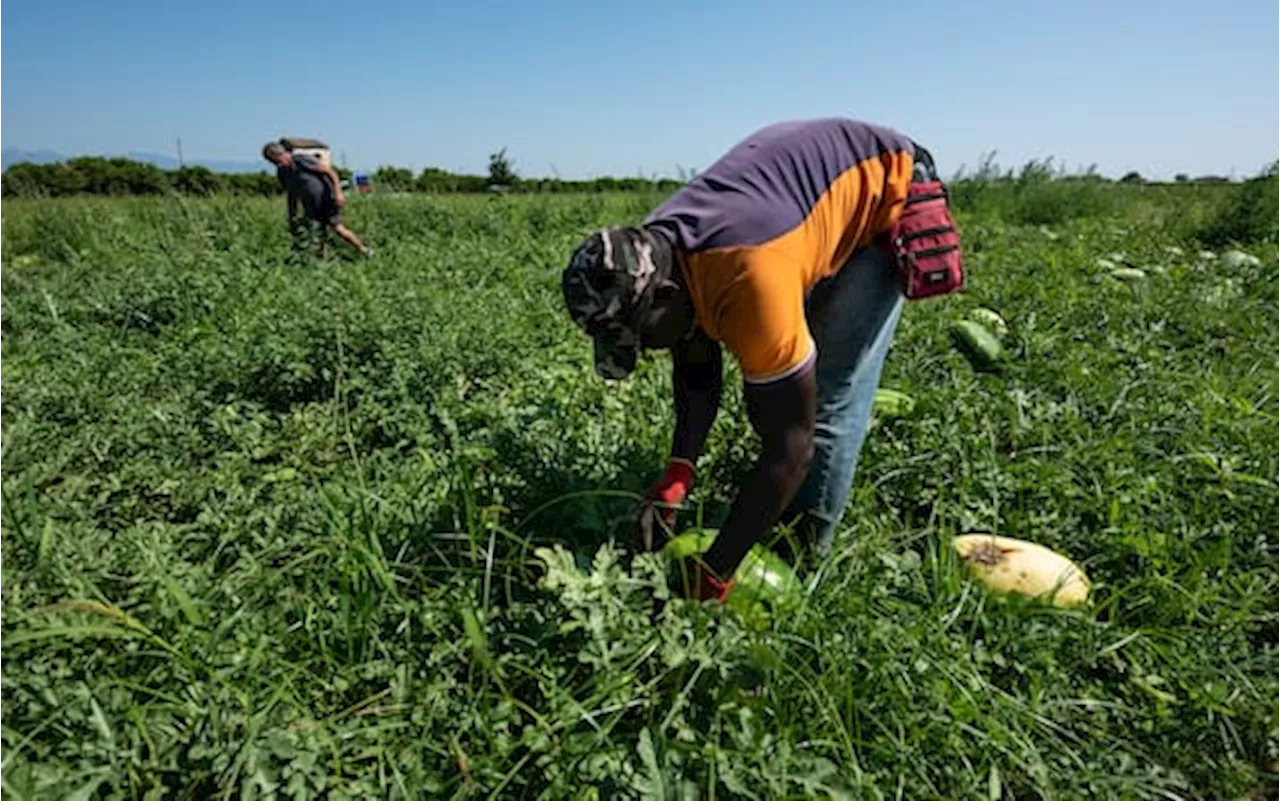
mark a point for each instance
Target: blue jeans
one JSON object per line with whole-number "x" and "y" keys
{"x": 852, "y": 316}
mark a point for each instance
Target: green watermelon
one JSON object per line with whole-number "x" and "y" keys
{"x": 978, "y": 344}
{"x": 892, "y": 403}
{"x": 765, "y": 584}
{"x": 990, "y": 319}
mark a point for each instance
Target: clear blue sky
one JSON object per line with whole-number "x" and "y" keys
{"x": 591, "y": 88}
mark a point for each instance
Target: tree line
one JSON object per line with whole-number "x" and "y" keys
{"x": 93, "y": 175}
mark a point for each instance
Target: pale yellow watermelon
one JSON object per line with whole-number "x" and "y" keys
{"x": 1007, "y": 565}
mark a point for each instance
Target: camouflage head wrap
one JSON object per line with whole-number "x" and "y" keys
{"x": 608, "y": 287}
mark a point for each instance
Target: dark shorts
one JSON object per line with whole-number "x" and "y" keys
{"x": 324, "y": 210}
{"x": 330, "y": 214}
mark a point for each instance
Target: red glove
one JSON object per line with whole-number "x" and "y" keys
{"x": 701, "y": 584}
{"x": 671, "y": 489}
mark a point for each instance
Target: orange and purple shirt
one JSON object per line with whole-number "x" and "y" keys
{"x": 782, "y": 210}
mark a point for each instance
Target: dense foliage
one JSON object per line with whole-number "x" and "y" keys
{"x": 293, "y": 529}
{"x": 91, "y": 175}
{"x": 118, "y": 176}
{"x": 1248, "y": 213}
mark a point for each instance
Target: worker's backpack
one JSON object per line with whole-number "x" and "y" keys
{"x": 305, "y": 146}
{"x": 925, "y": 244}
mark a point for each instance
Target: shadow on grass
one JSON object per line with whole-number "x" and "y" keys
{"x": 559, "y": 506}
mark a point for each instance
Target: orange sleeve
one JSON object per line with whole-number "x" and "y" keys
{"x": 756, "y": 309}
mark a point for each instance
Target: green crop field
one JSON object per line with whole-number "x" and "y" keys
{"x": 277, "y": 527}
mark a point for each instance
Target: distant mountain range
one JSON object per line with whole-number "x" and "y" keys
{"x": 13, "y": 155}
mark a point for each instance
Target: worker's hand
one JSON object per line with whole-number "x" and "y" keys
{"x": 698, "y": 583}
{"x": 660, "y": 502}
{"x": 340, "y": 199}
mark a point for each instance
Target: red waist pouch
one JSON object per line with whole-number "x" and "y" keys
{"x": 925, "y": 245}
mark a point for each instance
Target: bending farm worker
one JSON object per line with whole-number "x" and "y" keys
{"x": 787, "y": 252}
{"x": 316, "y": 186}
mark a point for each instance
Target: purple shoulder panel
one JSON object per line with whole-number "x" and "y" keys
{"x": 768, "y": 183}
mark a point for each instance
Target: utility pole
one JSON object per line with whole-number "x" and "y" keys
{"x": 179, "y": 152}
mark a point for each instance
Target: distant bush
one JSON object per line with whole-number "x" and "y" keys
{"x": 395, "y": 178}
{"x": 251, "y": 183}
{"x": 1051, "y": 202}
{"x": 1035, "y": 195}
{"x": 436, "y": 180}
{"x": 195, "y": 181}
{"x": 1247, "y": 214}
